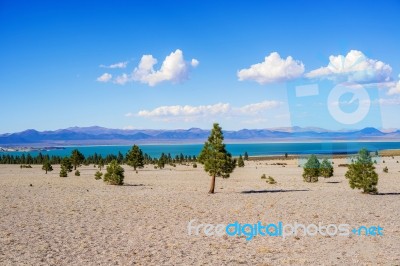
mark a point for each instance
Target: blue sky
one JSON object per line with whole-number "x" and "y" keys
{"x": 183, "y": 64}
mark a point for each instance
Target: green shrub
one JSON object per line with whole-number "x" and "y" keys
{"x": 115, "y": 174}
{"x": 194, "y": 165}
{"x": 311, "y": 169}
{"x": 98, "y": 175}
{"x": 385, "y": 169}
{"x": 263, "y": 176}
{"x": 326, "y": 169}
{"x": 63, "y": 172}
{"x": 271, "y": 180}
{"x": 361, "y": 173}
{"x": 240, "y": 161}
{"x": 77, "y": 173}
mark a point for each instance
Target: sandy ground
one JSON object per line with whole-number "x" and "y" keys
{"x": 83, "y": 221}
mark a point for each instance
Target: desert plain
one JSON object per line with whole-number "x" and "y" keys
{"x": 49, "y": 220}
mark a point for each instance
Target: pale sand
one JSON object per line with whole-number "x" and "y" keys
{"x": 82, "y": 221}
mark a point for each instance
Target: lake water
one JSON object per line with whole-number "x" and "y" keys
{"x": 253, "y": 149}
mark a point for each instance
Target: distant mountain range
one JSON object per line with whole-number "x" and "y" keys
{"x": 105, "y": 136}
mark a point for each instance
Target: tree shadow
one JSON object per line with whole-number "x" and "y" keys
{"x": 134, "y": 185}
{"x": 389, "y": 193}
{"x": 272, "y": 191}
{"x": 334, "y": 182}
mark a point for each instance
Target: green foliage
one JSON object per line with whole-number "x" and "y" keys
{"x": 271, "y": 180}
{"x": 286, "y": 155}
{"x": 246, "y": 156}
{"x": 216, "y": 160}
{"x": 263, "y": 176}
{"x": 311, "y": 169}
{"x": 77, "y": 173}
{"x": 77, "y": 158}
{"x": 63, "y": 172}
{"x": 135, "y": 157}
{"x": 240, "y": 161}
{"x": 25, "y": 166}
{"x": 361, "y": 173}
{"x": 194, "y": 165}
{"x": 326, "y": 168}
{"x": 385, "y": 169}
{"x": 47, "y": 167}
{"x": 115, "y": 174}
{"x": 100, "y": 163}
{"x": 66, "y": 164}
{"x": 98, "y": 175}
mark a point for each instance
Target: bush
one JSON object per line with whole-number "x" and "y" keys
{"x": 77, "y": 173}
{"x": 326, "y": 169}
{"x": 263, "y": 176}
{"x": 25, "y": 166}
{"x": 63, "y": 172}
{"x": 311, "y": 169}
{"x": 361, "y": 173}
{"x": 98, "y": 175}
{"x": 271, "y": 180}
{"x": 115, "y": 174}
{"x": 240, "y": 162}
{"x": 386, "y": 169}
{"x": 194, "y": 165}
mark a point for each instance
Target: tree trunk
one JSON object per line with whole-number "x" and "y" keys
{"x": 212, "y": 185}
{"x": 46, "y": 171}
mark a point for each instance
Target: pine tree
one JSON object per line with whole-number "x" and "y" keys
{"x": 246, "y": 156}
{"x": 77, "y": 158}
{"x": 63, "y": 172}
{"x": 66, "y": 164}
{"x": 100, "y": 163}
{"x": 217, "y": 161}
{"x": 115, "y": 174}
{"x": 98, "y": 175}
{"x": 47, "y": 166}
{"x": 326, "y": 168}
{"x": 135, "y": 157}
{"x": 361, "y": 173}
{"x": 311, "y": 169}
{"x": 240, "y": 161}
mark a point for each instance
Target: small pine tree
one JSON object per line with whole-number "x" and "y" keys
{"x": 240, "y": 161}
{"x": 47, "y": 166}
{"x": 361, "y": 173}
{"x": 263, "y": 176}
{"x": 217, "y": 161}
{"x": 77, "y": 158}
{"x": 286, "y": 155}
{"x": 66, "y": 163}
{"x": 98, "y": 175}
{"x": 311, "y": 169}
{"x": 63, "y": 172}
{"x": 385, "y": 169}
{"x": 115, "y": 174}
{"x": 246, "y": 156}
{"x": 135, "y": 157}
{"x": 194, "y": 165}
{"x": 326, "y": 169}
{"x": 100, "y": 163}
{"x": 77, "y": 173}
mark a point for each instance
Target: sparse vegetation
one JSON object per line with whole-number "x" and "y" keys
{"x": 63, "y": 172}
{"x": 47, "y": 166}
{"x": 66, "y": 164}
{"x": 25, "y": 166}
{"x": 361, "y": 173}
{"x": 98, "y": 175}
{"x": 77, "y": 173}
{"x": 271, "y": 180}
{"x": 240, "y": 162}
{"x": 263, "y": 176}
{"x": 246, "y": 156}
{"x": 135, "y": 157}
{"x": 194, "y": 165}
{"x": 385, "y": 169}
{"x": 77, "y": 158}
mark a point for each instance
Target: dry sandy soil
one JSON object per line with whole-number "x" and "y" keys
{"x": 83, "y": 221}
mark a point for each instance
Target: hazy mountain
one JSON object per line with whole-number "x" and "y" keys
{"x": 105, "y": 136}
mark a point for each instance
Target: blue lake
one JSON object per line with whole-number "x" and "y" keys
{"x": 253, "y": 149}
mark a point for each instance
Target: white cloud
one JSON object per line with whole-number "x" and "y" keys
{"x": 174, "y": 69}
{"x": 395, "y": 89}
{"x": 273, "y": 69}
{"x": 106, "y": 77}
{"x": 354, "y": 67}
{"x": 188, "y": 112}
{"x": 116, "y": 65}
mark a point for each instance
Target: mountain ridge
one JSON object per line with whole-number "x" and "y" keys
{"x": 96, "y": 135}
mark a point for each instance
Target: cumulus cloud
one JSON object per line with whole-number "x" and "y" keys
{"x": 106, "y": 77}
{"x": 116, "y": 65}
{"x": 273, "y": 69}
{"x": 174, "y": 68}
{"x": 395, "y": 89}
{"x": 188, "y": 112}
{"x": 354, "y": 67}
